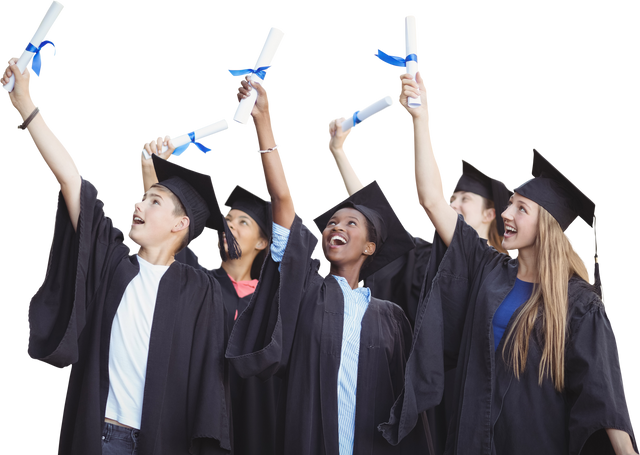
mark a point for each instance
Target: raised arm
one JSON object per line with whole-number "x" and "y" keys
{"x": 154, "y": 148}
{"x": 53, "y": 152}
{"x": 281, "y": 201}
{"x": 351, "y": 180}
{"x": 428, "y": 181}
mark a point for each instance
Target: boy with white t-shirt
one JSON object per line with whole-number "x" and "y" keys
{"x": 145, "y": 334}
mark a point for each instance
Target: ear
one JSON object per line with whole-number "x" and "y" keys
{"x": 488, "y": 215}
{"x": 182, "y": 224}
{"x": 369, "y": 249}
{"x": 262, "y": 243}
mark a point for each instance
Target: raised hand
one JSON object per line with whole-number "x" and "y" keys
{"x": 414, "y": 89}
{"x": 261, "y": 108}
{"x": 337, "y": 135}
{"x": 154, "y": 146}
{"x": 20, "y": 97}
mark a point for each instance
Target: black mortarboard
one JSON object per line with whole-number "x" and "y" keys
{"x": 553, "y": 191}
{"x": 258, "y": 209}
{"x": 392, "y": 239}
{"x": 474, "y": 181}
{"x": 195, "y": 191}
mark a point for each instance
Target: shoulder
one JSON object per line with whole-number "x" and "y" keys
{"x": 582, "y": 300}
{"x": 388, "y": 311}
{"x": 196, "y": 277}
{"x": 582, "y": 295}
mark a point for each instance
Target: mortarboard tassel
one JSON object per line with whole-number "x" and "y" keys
{"x": 232, "y": 243}
{"x": 597, "y": 284}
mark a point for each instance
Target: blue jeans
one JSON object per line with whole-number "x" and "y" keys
{"x": 118, "y": 440}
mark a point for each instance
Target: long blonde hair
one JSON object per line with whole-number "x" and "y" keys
{"x": 557, "y": 263}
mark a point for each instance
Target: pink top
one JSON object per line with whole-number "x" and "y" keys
{"x": 243, "y": 289}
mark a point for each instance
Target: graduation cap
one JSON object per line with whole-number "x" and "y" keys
{"x": 392, "y": 239}
{"x": 195, "y": 191}
{"x": 258, "y": 209}
{"x": 560, "y": 195}
{"x": 474, "y": 181}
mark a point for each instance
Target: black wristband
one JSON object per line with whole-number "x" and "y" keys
{"x": 28, "y": 120}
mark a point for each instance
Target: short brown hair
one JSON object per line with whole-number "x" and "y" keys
{"x": 178, "y": 210}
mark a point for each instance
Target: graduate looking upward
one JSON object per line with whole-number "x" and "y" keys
{"x": 145, "y": 334}
{"x": 475, "y": 195}
{"x": 536, "y": 361}
{"x": 253, "y": 401}
{"x": 475, "y": 198}
{"x": 340, "y": 351}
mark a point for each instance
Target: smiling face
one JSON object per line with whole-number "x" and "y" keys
{"x": 472, "y": 208}
{"x": 246, "y": 231}
{"x": 520, "y": 223}
{"x": 345, "y": 239}
{"x": 156, "y": 221}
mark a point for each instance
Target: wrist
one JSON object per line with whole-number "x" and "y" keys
{"x": 25, "y": 108}
{"x": 262, "y": 118}
{"x": 336, "y": 150}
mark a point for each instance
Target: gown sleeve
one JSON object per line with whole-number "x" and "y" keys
{"x": 451, "y": 273}
{"x": 79, "y": 263}
{"x": 593, "y": 384}
{"x": 262, "y": 337}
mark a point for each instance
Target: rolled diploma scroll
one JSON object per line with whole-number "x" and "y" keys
{"x": 412, "y": 48}
{"x": 368, "y": 112}
{"x": 268, "y": 51}
{"x": 38, "y": 38}
{"x": 202, "y": 132}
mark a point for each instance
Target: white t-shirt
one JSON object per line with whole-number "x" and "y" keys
{"x": 129, "y": 346}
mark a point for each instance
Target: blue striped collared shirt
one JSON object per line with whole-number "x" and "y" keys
{"x": 356, "y": 302}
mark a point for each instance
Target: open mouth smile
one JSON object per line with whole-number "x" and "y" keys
{"x": 137, "y": 220}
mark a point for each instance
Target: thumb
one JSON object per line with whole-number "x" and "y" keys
{"x": 419, "y": 80}
{"x": 257, "y": 85}
{"x": 23, "y": 78}
{"x": 170, "y": 149}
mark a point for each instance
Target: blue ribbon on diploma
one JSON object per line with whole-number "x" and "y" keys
{"x": 37, "y": 61}
{"x": 260, "y": 72}
{"x": 182, "y": 148}
{"x": 396, "y": 61}
{"x": 356, "y": 121}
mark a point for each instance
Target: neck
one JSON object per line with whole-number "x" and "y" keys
{"x": 527, "y": 265}
{"x": 157, "y": 255}
{"x": 350, "y": 273}
{"x": 483, "y": 231}
{"x": 239, "y": 269}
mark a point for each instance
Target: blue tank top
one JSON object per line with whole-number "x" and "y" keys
{"x": 519, "y": 294}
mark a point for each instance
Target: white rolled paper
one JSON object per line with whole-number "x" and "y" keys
{"x": 41, "y": 33}
{"x": 412, "y": 48}
{"x": 268, "y": 51}
{"x": 368, "y": 112}
{"x": 199, "y": 134}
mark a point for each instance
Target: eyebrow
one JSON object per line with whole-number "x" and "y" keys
{"x": 246, "y": 217}
{"x": 333, "y": 218}
{"x": 146, "y": 195}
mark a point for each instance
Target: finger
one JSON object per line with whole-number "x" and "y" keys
{"x": 159, "y": 144}
{"x": 259, "y": 88}
{"x": 153, "y": 142}
{"x": 170, "y": 146}
{"x": 243, "y": 91}
{"x": 147, "y": 147}
{"x": 420, "y": 81}
{"x": 246, "y": 85}
{"x": 13, "y": 61}
{"x": 153, "y": 147}
{"x": 328, "y": 125}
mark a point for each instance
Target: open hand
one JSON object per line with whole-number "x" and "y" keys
{"x": 263, "y": 102}
{"x": 21, "y": 97}
{"x": 408, "y": 88}
{"x": 336, "y": 138}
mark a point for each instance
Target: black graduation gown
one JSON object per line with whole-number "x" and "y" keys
{"x": 401, "y": 281}
{"x": 294, "y": 325}
{"x": 185, "y": 394}
{"x": 495, "y": 413}
{"x": 253, "y": 400}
